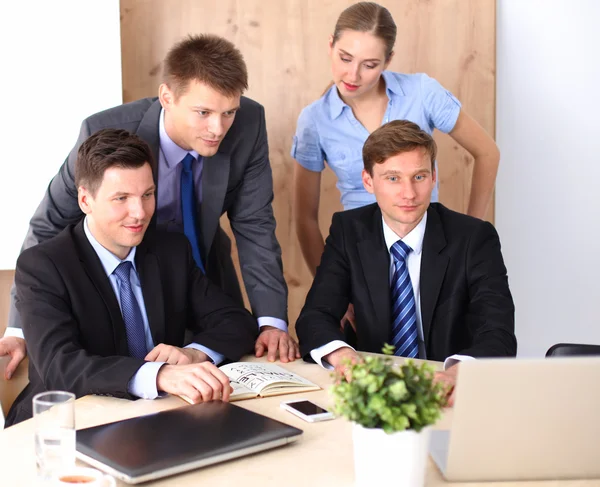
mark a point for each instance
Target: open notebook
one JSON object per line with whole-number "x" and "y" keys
{"x": 250, "y": 380}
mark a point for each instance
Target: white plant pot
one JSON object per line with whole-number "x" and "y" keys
{"x": 398, "y": 459}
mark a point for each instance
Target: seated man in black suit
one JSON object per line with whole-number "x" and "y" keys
{"x": 105, "y": 307}
{"x": 428, "y": 280}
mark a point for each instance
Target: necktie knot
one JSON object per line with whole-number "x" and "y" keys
{"x": 400, "y": 250}
{"x": 123, "y": 271}
{"x": 187, "y": 162}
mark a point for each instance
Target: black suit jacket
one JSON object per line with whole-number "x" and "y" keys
{"x": 73, "y": 324}
{"x": 237, "y": 180}
{"x": 466, "y": 306}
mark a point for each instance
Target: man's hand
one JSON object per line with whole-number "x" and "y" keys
{"x": 341, "y": 358}
{"x": 15, "y": 347}
{"x": 448, "y": 378}
{"x": 272, "y": 340}
{"x": 197, "y": 382}
{"x": 349, "y": 318}
{"x": 175, "y": 355}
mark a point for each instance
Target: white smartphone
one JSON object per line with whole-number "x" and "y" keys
{"x": 307, "y": 410}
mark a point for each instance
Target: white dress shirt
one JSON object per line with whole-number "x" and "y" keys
{"x": 414, "y": 239}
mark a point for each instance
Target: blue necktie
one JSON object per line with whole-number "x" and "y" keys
{"x": 404, "y": 311}
{"x": 130, "y": 309}
{"x": 188, "y": 208}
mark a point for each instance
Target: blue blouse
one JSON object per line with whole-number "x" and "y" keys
{"x": 328, "y": 131}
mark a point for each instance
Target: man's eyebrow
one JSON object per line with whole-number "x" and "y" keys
{"x": 206, "y": 109}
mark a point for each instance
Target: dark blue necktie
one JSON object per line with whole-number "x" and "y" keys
{"x": 188, "y": 208}
{"x": 130, "y": 309}
{"x": 404, "y": 311}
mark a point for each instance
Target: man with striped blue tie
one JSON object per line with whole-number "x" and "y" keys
{"x": 428, "y": 280}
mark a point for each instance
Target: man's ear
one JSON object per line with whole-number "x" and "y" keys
{"x": 367, "y": 181}
{"x": 166, "y": 96}
{"x": 85, "y": 199}
{"x": 434, "y": 175}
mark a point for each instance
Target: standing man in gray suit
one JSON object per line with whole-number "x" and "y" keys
{"x": 211, "y": 146}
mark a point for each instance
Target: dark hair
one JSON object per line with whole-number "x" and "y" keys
{"x": 395, "y": 138}
{"x": 209, "y": 59}
{"x": 105, "y": 149}
{"x": 368, "y": 17}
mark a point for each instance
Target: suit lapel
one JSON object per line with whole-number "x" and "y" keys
{"x": 93, "y": 267}
{"x": 148, "y": 131}
{"x": 147, "y": 266}
{"x": 375, "y": 262}
{"x": 215, "y": 177}
{"x": 433, "y": 268}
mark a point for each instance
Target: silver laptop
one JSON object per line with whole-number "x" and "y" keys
{"x": 523, "y": 419}
{"x": 169, "y": 442}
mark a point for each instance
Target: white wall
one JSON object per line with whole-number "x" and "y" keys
{"x": 60, "y": 62}
{"x": 548, "y": 130}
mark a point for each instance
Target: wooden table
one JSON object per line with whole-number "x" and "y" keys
{"x": 322, "y": 457}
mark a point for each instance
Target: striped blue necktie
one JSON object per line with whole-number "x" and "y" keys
{"x": 130, "y": 309}
{"x": 188, "y": 208}
{"x": 404, "y": 310}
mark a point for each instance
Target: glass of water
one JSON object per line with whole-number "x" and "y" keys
{"x": 54, "y": 416}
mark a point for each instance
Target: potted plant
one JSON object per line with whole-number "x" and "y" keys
{"x": 392, "y": 407}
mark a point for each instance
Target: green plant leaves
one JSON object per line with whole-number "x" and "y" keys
{"x": 380, "y": 394}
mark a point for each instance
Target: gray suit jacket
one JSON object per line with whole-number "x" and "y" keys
{"x": 237, "y": 181}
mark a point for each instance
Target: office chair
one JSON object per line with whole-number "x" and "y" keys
{"x": 572, "y": 350}
{"x": 10, "y": 389}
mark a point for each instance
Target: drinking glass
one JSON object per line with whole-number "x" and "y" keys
{"x": 54, "y": 416}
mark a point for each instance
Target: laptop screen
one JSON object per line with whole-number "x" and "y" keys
{"x": 193, "y": 436}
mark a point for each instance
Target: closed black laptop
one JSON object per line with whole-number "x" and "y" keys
{"x": 149, "y": 447}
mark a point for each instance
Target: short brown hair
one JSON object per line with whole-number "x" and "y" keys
{"x": 368, "y": 17}
{"x": 395, "y": 138}
{"x": 105, "y": 149}
{"x": 209, "y": 59}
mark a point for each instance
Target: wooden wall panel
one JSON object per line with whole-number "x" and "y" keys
{"x": 6, "y": 280}
{"x": 284, "y": 43}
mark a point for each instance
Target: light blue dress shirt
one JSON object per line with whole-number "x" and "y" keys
{"x": 168, "y": 199}
{"x": 143, "y": 383}
{"x": 328, "y": 131}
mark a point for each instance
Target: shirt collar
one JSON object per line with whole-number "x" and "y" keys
{"x": 414, "y": 239}
{"x": 392, "y": 85}
{"x": 109, "y": 260}
{"x": 336, "y": 104}
{"x": 172, "y": 152}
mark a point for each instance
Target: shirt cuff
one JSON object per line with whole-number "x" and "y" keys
{"x": 317, "y": 354}
{"x": 454, "y": 359}
{"x": 275, "y": 322}
{"x": 143, "y": 383}
{"x": 216, "y": 357}
{"x": 11, "y": 331}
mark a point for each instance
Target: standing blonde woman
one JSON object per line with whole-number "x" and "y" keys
{"x": 364, "y": 96}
